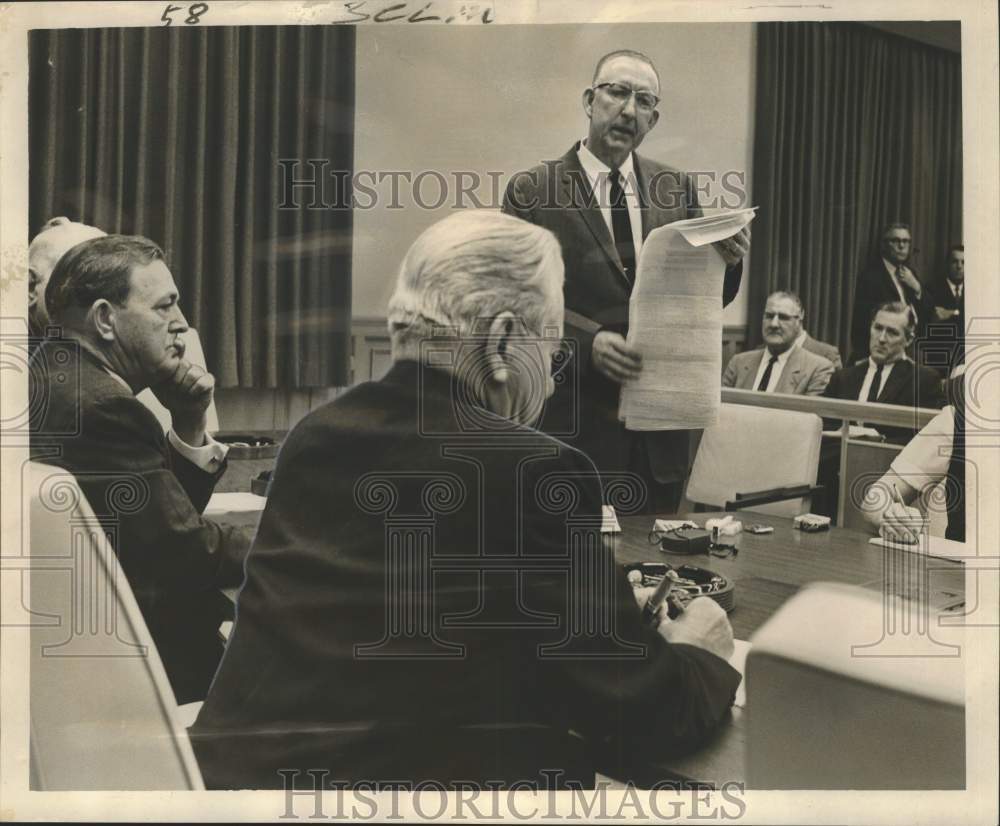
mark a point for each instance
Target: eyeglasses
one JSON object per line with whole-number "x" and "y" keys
{"x": 620, "y": 94}
{"x": 782, "y": 317}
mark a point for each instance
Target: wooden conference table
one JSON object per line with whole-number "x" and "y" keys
{"x": 767, "y": 570}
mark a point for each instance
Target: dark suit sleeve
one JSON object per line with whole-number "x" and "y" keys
{"x": 169, "y": 540}
{"x": 680, "y": 693}
{"x": 930, "y": 388}
{"x": 734, "y": 272}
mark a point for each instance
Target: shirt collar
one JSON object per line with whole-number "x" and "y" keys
{"x": 782, "y": 357}
{"x": 595, "y": 167}
{"x": 886, "y": 367}
{"x": 891, "y": 268}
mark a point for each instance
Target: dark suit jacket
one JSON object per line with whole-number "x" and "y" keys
{"x": 383, "y": 507}
{"x": 874, "y": 287}
{"x": 907, "y": 385}
{"x": 950, "y": 333}
{"x": 556, "y": 195}
{"x": 175, "y": 561}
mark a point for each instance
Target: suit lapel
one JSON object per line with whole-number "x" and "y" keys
{"x": 895, "y": 385}
{"x": 653, "y": 215}
{"x": 575, "y": 191}
{"x": 750, "y": 368}
{"x": 789, "y": 376}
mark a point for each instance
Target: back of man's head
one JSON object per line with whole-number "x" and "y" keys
{"x": 469, "y": 268}
{"x": 96, "y": 269}
{"x": 50, "y": 244}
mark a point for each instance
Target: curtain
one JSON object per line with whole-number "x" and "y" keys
{"x": 854, "y": 128}
{"x": 176, "y": 134}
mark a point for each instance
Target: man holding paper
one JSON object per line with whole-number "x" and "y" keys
{"x": 602, "y": 200}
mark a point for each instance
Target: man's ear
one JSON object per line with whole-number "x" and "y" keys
{"x": 101, "y": 318}
{"x": 497, "y": 345}
{"x": 653, "y": 118}
{"x": 588, "y": 101}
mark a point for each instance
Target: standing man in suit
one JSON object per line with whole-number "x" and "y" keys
{"x": 888, "y": 278}
{"x": 888, "y": 376}
{"x": 947, "y": 296}
{"x": 117, "y": 304}
{"x": 780, "y": 366}
{"x": 601, "y": 200}
{"x": 407, "y": 612}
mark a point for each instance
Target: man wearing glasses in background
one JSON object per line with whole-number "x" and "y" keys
{"x": 601, "y": 200}
{"x": 780, "y": 366}
{"x": 887, "y": 278}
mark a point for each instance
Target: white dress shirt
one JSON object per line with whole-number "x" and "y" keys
{"x": 597, "y": 176}
{"x": 209, "y": 457}
{"x": 779, "y": 366}
{"x": 870, "y": 376}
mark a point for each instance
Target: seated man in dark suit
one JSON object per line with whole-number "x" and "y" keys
{"x": 118, "y": 308}
{"x": 407, "y": 609}
{"x": 888, "y": 376}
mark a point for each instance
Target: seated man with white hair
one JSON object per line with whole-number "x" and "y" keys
{"x": 428, "y": 598}
{"x": 44, "y": 251}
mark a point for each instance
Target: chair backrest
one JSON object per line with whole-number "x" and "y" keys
{"x": 752, "y": 449}
{"x": 102, "y": 714}
{"x": 844, "y": 692}
{"x": 193, "y": 353}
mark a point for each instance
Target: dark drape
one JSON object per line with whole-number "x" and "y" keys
{"x": 854, "y": 128}
{"x": 176, "y": 134}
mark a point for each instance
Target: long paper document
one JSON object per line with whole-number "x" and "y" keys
{"x": 675, "y": 321}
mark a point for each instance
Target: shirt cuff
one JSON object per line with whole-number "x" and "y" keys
{"x": 209, "y": 457}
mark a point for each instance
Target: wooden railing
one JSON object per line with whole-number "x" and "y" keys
{"x": 847, "y": 411}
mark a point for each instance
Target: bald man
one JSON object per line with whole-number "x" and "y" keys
{"x": 44, "y": 252}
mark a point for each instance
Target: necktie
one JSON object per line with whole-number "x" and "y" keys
{"x": 621, "y": 225}
{"x": 876, "y": 384}
{"x": 909, "y": 296}
{"x": 766, "y": 378}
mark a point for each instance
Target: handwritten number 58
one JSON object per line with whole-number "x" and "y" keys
{"x": 195, "y": 10}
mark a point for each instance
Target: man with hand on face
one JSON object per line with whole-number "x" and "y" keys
{"x": 889, "y": 278}
{"x": 408, "y": 609}
{"x": 601, "y": 200}
{"x": 117, "y": 305}
{"x": 888, "y": 376}
{"x": 780, "y": 366}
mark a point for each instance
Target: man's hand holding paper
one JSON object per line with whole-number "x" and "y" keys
{"x": 614, "y": 357}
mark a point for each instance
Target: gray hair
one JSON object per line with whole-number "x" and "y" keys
{"x": 790, "y": 297}
{"x": 469, "y": 268}
{"x": 632, "y": 53}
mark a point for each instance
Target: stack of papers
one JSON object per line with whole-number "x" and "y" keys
{"x": 675, "y": 321}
